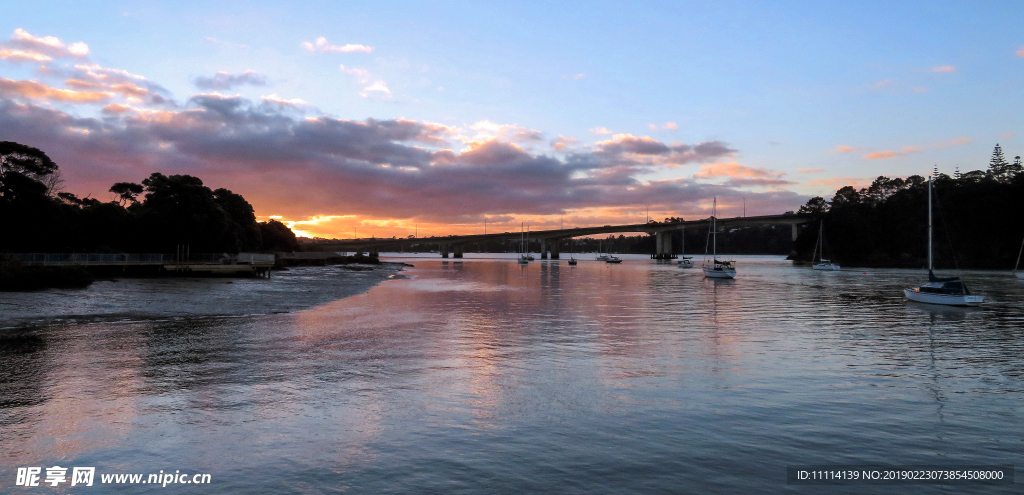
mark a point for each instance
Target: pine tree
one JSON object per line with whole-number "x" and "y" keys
{"x": 997, "y": 166}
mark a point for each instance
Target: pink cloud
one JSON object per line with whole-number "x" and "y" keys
{"x": 48, "y": 45}
{"x": 810, "y": 170}
{"x": 1020, "y": 53}
{"x": 842, "y": 149}
{"x": 944, "y": 68}
{"x": 882, "y": 84}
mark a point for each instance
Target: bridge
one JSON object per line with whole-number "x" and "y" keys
{"x": 550, "y": 239}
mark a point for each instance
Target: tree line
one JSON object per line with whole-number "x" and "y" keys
{"x": 976, "y": 216}
{"x": 156, "y": 215}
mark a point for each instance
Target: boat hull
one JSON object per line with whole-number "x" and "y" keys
{"x": 685, "y": 264}
{"x": 1020, "y": 274}
{"x": 712, "y": 273}
{"x": 943, "y": 299}
{"x": 827, "y": 267}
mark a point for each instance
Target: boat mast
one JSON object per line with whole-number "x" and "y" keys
{"x": 929, "y": 223}
{"x": 714, "y": 230}
{"x": 1017, "y": 264}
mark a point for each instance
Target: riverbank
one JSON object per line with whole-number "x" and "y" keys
{"x": 16, "y": 277}
{"x": 132, "y": 299}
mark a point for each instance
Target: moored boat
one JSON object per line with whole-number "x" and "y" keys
{"x": 717, "y": 268}
{"x": 949, "y": 291}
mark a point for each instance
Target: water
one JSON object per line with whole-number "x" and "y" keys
{"x": 483, "y": 376}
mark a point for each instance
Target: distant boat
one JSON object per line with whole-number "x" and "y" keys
{"x": 572, "y": 261}
{"x": 717, "y": 268}
{"x": 1017, "y": 265}
{"x": 600, "y": 256}
{"x": 819, "y": 247}
{"x": 685, "y": 261}
{"x": 612, "y": 259}
{"x": 950, "y": 291}
{"x": 523, "y": 257}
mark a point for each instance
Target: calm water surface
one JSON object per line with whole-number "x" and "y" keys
{"x": 483, "y": 376}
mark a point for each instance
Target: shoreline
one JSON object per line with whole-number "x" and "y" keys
{"x": 135, "y": 299}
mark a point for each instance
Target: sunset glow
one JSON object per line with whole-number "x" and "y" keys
{"x": 367, "y": 121}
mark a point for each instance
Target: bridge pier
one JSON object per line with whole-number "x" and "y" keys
{"x": 543, "y": 249}
{"x": 795, "y": 232}
{"x": 554, "y": 248}
{"x": 457, "y": 248}
{"x": 443, "y": 249}
{"x": 663, "y": 245}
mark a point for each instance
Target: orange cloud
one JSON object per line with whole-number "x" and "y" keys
{"x": 23, "y": 55}
{"x": 1006, "y": 135}
{"x": 810, "y": 170}
{"x": 842, "y": 149}
{"x": 117, "y": 109}
{"x": 959, "y": 141}
{"x": 1020, "y": 53}
{"x": 906, "y": 150}
{"x": 733, "y": 169}
{"x": 38, "y": 91}
{"x": 944, "y": 68}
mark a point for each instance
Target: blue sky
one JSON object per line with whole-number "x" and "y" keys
{"x": 805, "y": 96}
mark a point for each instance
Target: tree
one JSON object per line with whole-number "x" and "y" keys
{"x": 998, "y": 166}
{"x": 276, "y": 236}
{"x": 128, "y": 191}
{"x": 815, "y": 206}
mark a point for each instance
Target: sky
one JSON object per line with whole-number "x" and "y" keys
{"x": 393, "y": 118}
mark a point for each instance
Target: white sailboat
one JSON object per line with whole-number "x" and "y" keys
{"x": 717, "y": 268}
{"x": 523, "y": 257}
{"x": 949, "y": 291}
{"x": 1017, "y": 265}
{"x": 822, "y": 264}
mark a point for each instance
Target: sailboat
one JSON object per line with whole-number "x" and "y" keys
{"x": 822, "y": 264}
{"x": 600, "y": 255}
{"x": 950, "y": 291}
{"x": 685, "y": 261}
{"x": 1017, "y": 265}
{"x": 572, "y": 261}
{"x": 717, "y": 268}
{"x": 528, "y": 256}
{"x": 523, "y": 257}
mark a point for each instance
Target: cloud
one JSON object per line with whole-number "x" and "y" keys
{"x": 600, "y": 130}
{"x": 1020, "y": 53}
{"x": 47, "y": 45}
{"x": 15, "y": 55}
{"x": 361, "y": 75}
{"x": 944, "y": 68}
{"x": 32, "y": 90}
{"x": 563, "y": 144}
{"x": 321, "y": 45}
{"x": 400, "y": 168}
{"x": 378, "y": 89}
{"x": 672, "y": 126}
{"x": 879, "y": 155}
{"x": 842, "y": 149}
{"x": 810, "y": 170}
{"x": 273, "y": 98}
{"x": 1006, "y": 135}
{"x": 883, "y": 83}
{"x": 959, "y": 141}
{"x": 575, "y": 77}
{"x": 224, "y": 80}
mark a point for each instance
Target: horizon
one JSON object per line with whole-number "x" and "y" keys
{"x": 390, "y": 120}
